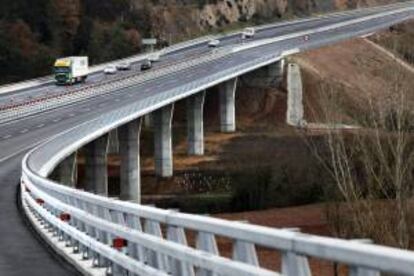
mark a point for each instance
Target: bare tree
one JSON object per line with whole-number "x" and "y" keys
{"x": 372, "y": 163}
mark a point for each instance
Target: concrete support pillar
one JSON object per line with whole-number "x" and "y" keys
{"x": 227, "y": 97}
{"x": 195, "y": 124}
{"x": 276, "y": 71}
{"x": 130, "y": 161}
{"x": 96, "y": 173}
{"x": 294, "y": 116}
{"x": 162, "y": 120}
{"x": 113, "y": 141}
{"x": 147, "y": 120}
{"x": 67, "y": 171}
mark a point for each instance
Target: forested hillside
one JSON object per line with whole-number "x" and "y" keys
{"x": 34, "y": 32}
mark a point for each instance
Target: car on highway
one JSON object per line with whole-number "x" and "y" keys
{"x": 248, "y": 32}
{"x": 123, "y": 66}
{"x": 110, "y": 70}
{"x": 214, "y": 43}
{"x": 146, "y": 65}
{"x": 306, "y": 38}
{"x": 154, "y": 57}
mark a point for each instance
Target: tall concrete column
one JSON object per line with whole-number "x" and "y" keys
{"x": 67, "y": 171}
{"x": 96, "y": 173}
{"x": 195, "y": 124}
{"x": 147, "y": 120}
{"x": 294, "y": 116}
{"x": 227, "y": 91}
{"x": 130, "y": 161}
{"x": 113, "y": 141}
{"x": 162, "y": 120}
{"x": 277, "y": 71}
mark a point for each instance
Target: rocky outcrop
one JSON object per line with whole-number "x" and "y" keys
{"x": 176, "y": 19}
{"x": 230, "y": 11}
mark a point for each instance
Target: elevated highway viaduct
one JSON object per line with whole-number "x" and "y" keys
{"x": 84, "y": 117}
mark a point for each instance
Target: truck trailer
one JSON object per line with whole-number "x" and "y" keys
{"x": 70, "y": 70}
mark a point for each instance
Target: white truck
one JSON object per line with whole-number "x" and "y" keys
{"x": 70, "y": 70}
{"x": 248, "y": 32}
{"x": 154, "y": 57}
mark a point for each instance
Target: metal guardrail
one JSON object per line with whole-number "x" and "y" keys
{"x": 124, "y": 237}
{"x": 142, "y": 227}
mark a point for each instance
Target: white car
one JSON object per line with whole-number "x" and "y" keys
{"x": 146, "y": 65}
{"x": 214, "y": 43}
{"x": 110, "y": 70}
{"x": 124, "y": 66}
{"x": 248, "y": 32}
{"x": 154, "y": 57}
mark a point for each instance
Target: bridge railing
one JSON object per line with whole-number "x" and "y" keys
{"x": 121, "y": 243}
{"x": 182, "y": 244}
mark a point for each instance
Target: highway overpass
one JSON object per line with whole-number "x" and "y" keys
{"x": 46, "y": 124}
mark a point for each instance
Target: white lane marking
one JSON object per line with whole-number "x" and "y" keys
{"x": 117, "y": 100}
{"x": 6, "y": 136}
{"x": 19, "y": 151}
{"x": 56, "y": 120}
{"x": 71, "y": 115}
{"x": 87, "y": 109}
{"x": 41, "y": 141}
{"x": 24, "y": 130}
{"x": 40, "y": 126}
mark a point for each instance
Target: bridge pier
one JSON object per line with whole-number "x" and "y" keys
{"x": 147, "y": 120}
{"x": 67, "y": 171}
{"x": 130, "y": 160}
{"x": 162, "y": 120}
{"x": 113, "y": 141}
{"x": 96, "y": 173}
{"x": 227, "y": 95}
{"x": 195, "y": 124}
{"x": 294, "y": 116}
{"x": 276, "y": 71}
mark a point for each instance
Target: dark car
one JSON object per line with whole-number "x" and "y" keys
{"x": 146, "y": 65}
